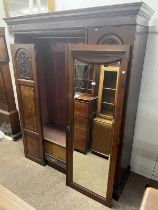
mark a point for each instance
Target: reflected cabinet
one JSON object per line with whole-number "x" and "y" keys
{"x": 78, "y": 76}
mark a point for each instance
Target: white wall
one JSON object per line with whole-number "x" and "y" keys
{"x": 145, "y": 147}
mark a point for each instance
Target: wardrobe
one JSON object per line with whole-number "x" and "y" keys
{"x": 9, "y": 117}
{"x": 59, "y": 54}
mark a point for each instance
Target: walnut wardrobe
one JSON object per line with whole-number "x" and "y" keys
{"x": 9, "y": 117}
{"x": 78, "y": 75}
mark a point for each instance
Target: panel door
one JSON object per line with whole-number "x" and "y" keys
{"x": 28, "y": 97}
{"x": 112, "y": 35}
{"x": 98, "y": 56}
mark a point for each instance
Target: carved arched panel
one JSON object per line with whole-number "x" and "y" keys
{"x": 110, "y": 39}
{"x": 24, "y": 64}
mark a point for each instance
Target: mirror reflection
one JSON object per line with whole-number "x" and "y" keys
{"x": 95, "y": 88}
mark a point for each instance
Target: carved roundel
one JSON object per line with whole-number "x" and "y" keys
{"x": 110, "y": 39}
{"x": 24, "y": 64}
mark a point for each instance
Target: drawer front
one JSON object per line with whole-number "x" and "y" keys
{"x": 80, "y": 139}
{"x": 102, "y": 138}
{"x": 80, "y": 121}
{"x": 55, "y": 151}
{"x": 81, "y": 109}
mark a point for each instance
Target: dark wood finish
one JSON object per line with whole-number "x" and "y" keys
{"x": 106, "y": 51}
{"x": 55, "y": 150}
{"x": 84, "y": 112}
{"x": 101, "y": 136}
{"x": 57, "y": 164}
{"x": 26, "y": 83}
{"x": 136, "y": 36}
{"x": 9, "y": 118}
{"x": 117, "y": 24}
{"x": 121, "y": 14}
{"x": 55, "y": 135}
{"x": 51, "y": 70}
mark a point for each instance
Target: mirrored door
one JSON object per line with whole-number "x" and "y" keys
{"x": 96, "y": 81}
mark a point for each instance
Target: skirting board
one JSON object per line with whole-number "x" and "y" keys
{"x": 144, "y": 172}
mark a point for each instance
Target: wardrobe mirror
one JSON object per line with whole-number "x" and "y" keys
{"x": 95, "y": 89}
{"x": 96, "y": 82}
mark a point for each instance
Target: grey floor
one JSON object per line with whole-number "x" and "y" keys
{"x": 44, "y": 188}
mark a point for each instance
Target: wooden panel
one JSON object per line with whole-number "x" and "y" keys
{"x": 111, "y": 35}
{"x": 28, "y": 106}
{"x": 9, "y": 123}
{"x": 3, "y": 51}
{"x": 3, "y": 102}
{"x": 55, "y": 151}
{"x": 32, "y": 146}
{"x": 55, "y": 135}
{"x": 28, "y": 98}
{"x": 82, "y": 120}
{"x": 102, "y": 137}
{"x": 8, "y": 87}
{"x": 80, "y": 139}
{"x": 50, "y": 71}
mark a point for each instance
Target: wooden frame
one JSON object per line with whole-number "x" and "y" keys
{"x": 104, "y": 54}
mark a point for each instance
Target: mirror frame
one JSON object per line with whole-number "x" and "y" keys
{"x": 97, "y": 54}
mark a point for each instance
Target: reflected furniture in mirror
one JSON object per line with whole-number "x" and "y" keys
{"x": 102, "y": 125}
{"x": 41, "y": 50}
{"x": 85, "y": 104}
{"x": 92, "y": 173}
{"x": 9, "y": 117}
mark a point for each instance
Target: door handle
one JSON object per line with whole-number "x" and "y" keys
{"x": 68, "y": 128}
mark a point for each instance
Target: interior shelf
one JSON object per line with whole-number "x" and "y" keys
{"x": 55, "y": 135}
{"x": 104, "y": 102}
{"x": 106, "y": 88}
{"x": 90, "y": 80}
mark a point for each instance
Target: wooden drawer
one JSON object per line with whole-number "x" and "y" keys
{"x": 55, "y": 151}
{"x": 102, "y": 137}
{"x": 80, "y": 121}
{"x": 80, "y": 140}
{"x": 80, "y": 130}
{"x": 83, "y": 115}
{"x": 81, "y": 109}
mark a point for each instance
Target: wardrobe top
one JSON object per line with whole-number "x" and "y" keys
{"x": 120, "y": 14}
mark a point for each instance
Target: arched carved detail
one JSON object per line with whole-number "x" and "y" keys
{"x": 24, "y": 64}
{"x": 98, "y": 58}
{"x": 110, "y": 39}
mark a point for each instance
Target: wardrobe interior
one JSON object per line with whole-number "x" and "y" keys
{"x": 52, "y": 78}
